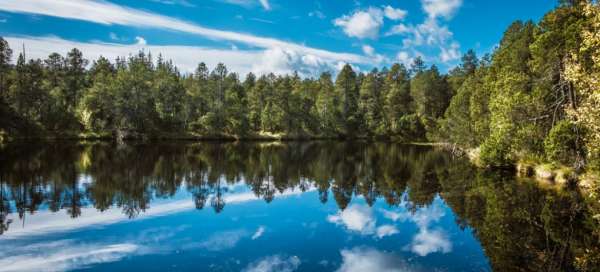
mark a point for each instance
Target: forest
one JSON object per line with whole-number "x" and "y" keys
{"x": 536, "y": 97}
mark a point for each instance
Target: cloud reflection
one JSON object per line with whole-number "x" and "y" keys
{"x": 274, "y": 263}
{"x": 360, "y": 259}
{"x": 361, "y": 219}
{"x": 64, "y": 255}
{"x": 46, "y": 221}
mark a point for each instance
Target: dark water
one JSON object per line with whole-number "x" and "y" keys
{"x": 313, "y": 206}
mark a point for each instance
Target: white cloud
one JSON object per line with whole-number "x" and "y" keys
{"x": 102, "y": 12}
{"x": 184, "y": 3}
{"x": 399, "y": 29}
{"x": 450, "y": 53}
{"x": 360, "y": 259}
{"x": 362, "y": 24}
{"x": 262, "y": 20}
{"x": 285, "y": 61}
{"x": 368, "y": 50}
{"x": 140, "y": 40}
{"x": 366, "y": 23}
{"x": 424, "y": 217}
{"x": 265, "y": 4}
{"x": 249, "y": 3}
{"x": 63, "y": 255}
{"x": 274, "y": 263}
{"x": 394, "y": 216}
{"x": 185, "y": 57}
{"x": 274, "y": 60}
{"x": 430, "y": 34}
{"x": 441, "y": 8}
{"x": 426, "y": 241}
{"x": 259, "y": 232}
{"x": 356, "y": 218}
{"x": 430, "y": 241}
{"x": 221, "y": 240}
{"x": 386, "y": 230}
{"x": 360, "y": 219}
{"x": 394, "y": 13}
{"x": 404, "y": 58}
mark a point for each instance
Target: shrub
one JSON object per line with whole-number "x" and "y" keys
{"x": 495, "y": 153}
{"x": 561, "y": 143}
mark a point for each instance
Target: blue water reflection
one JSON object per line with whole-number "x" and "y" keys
{"x": 284, "y": 207}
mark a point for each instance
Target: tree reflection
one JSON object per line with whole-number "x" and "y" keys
{"x": 521, "y": 225}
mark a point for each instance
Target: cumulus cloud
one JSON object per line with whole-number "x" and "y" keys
{"x": 441, "y": 8}
{"x": 450, "y": 53}
{"x": 366, "y": 23}
{"x": 107, "y": 13}
{"x": 370, "y": 52}
{"x": 140, "y": 40}
{"x": 285, "y": 61}
{"x": 362, "y": 24}
{"x": 427, "y": 240}
{"x": 360, "y": 219}
{"x": 356, "y": 218}
{"x": 361, "y": 259}
{"x": 394, "y": 13}
{"x": 274, "y": 263}
{"x": 386, "y": 230}
{"x": 429, "y": 34}
{"x": 430, "y": 241}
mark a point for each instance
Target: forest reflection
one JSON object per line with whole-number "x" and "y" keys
{"x": 521, "y": 225}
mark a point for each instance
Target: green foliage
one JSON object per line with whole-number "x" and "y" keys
{"x": 431, "y": 93}
{"x": 495, "y": 152}
{"x": 512, "y": 103}
{"x": 562, "y": 144}
{"x": 347, "y": 90}
{"x": 371, "y": 103}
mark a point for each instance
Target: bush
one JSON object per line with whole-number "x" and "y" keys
{"x": 495, "y": 153}
{"x": 561, "y": 143}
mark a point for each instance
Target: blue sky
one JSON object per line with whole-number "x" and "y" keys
{"x": 309, "y": 36}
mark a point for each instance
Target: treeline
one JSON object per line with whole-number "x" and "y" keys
{"x": 139, "y": 96}
{"x": 536, "y": 96}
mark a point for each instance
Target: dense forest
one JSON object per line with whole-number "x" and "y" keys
{"x": 535, "y": 97}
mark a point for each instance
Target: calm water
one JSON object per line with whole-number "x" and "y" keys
{"x": 313, "y": 206}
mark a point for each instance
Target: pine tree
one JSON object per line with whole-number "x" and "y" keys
{"x": 346, "y": 88}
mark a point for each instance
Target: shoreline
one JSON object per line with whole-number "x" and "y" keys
{"x": 544, "y": 172}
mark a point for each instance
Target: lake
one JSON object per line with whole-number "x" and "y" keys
{"x": 291, "y": 206}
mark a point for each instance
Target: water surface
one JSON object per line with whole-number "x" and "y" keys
{"x": 298, "y": 206}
